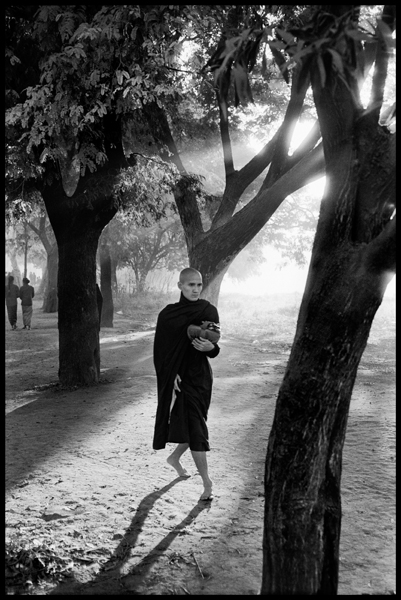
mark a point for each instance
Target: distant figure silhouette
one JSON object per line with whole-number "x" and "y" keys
{"x": 12, "y": 293}
{"x": 26, "y": 293}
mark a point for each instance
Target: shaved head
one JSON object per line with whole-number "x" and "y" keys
{"x": 188, "y": 273}
{"x": 190, "y": 283}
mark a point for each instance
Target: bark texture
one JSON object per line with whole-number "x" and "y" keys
{"x": 78, "y": 316}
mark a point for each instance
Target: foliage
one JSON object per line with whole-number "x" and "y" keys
{"x": 85, "y": 71}
{"x": 28, "y": 565}
{"x": 141, "y": 191}
{"x": 336, "y": 46}
{"x": 157, "y": 244}
{"x": 237, "y": 56}
{"x": 327, "y": 44}
{"x": 19, "y": 234}
{"x": 41, "y": 560}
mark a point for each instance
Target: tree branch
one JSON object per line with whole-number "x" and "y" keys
{"x": 184, "y": 193}
{"x": 186, "y": 199}
{"x": 41, "y": 233}
{"x": 226, "y": 142}
{"x": 34, "y": 229}
{"x": 160, "y": 129}
{"x": 381, "y": 65}
{"x": 307, "y": 144}
{"x": 247, "y": 222}
{"x": 237, "y": 184}
{"x": 249, "y": 172}
{"x": 294, "y": 108}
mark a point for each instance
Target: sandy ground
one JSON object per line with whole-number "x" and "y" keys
{"x": 82, "y": 478}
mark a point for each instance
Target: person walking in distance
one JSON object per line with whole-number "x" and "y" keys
{"x": 186, "y": 336}
{"x": 26, "y": 293}
{"x": 12, "y": 293}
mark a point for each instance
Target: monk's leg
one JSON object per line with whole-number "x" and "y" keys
{"x": 201, "y": 463}
{"x": 174, "y": 460}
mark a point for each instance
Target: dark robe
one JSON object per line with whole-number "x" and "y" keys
{"x": 173, "y": 354}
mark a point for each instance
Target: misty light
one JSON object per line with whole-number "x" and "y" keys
{"x": 302, "y": 128}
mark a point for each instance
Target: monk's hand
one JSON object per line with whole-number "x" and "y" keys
{"x": 177, "y": 381}
{"x": 202, "y": 345}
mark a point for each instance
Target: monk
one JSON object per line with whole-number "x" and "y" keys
{"x": 184, "y": 376}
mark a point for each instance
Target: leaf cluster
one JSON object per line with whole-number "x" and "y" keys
{"x": 237, "y": 56}
{"x": 31, "y": 564}
{"x": 143, "y": 192}
{"x": 27, "y": 565}
{"x": 91, "y": 62}
{"x": 332, "y": 45}
{"x": 326, "y": 44}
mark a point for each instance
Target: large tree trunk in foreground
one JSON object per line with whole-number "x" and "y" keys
{"x": 303, "y": 467}
{"x": 353, "y": 258}
{"x": 105, "y": 285}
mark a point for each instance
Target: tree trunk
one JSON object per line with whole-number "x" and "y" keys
{"x": 105, "y": 285}
{"x": 26, "y": 252}
{"x": 77, "y": 227}
{"x": 16, "y": 272}
{"x": 50, "y": 299}
{"x": 78, "y": 320}
{"x": 114, "y": 283}
{"x": 43, "y": 282}
{"x": 140, "y": 282}
{"x": 353, "y": 257}
{"x": 303, "y": 468}
{"x": 78, "y": 218}
{"x": 212, "y": 275}
{"x": 49, "y": 281}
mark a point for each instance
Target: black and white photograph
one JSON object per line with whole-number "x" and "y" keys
{"x": 200, "y": 243}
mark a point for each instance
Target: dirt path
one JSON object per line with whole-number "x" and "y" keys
{"x": 81, "y": 474}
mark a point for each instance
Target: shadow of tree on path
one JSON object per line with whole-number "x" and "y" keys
{"x": 61, "y": 421}
{"x": 110, "y": 581}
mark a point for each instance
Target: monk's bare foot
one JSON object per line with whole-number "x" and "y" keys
{"x": 207, "y": 492}
{"x": 173, "y": 462}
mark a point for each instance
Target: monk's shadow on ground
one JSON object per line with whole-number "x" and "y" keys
{"x": 136, "y": 575}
